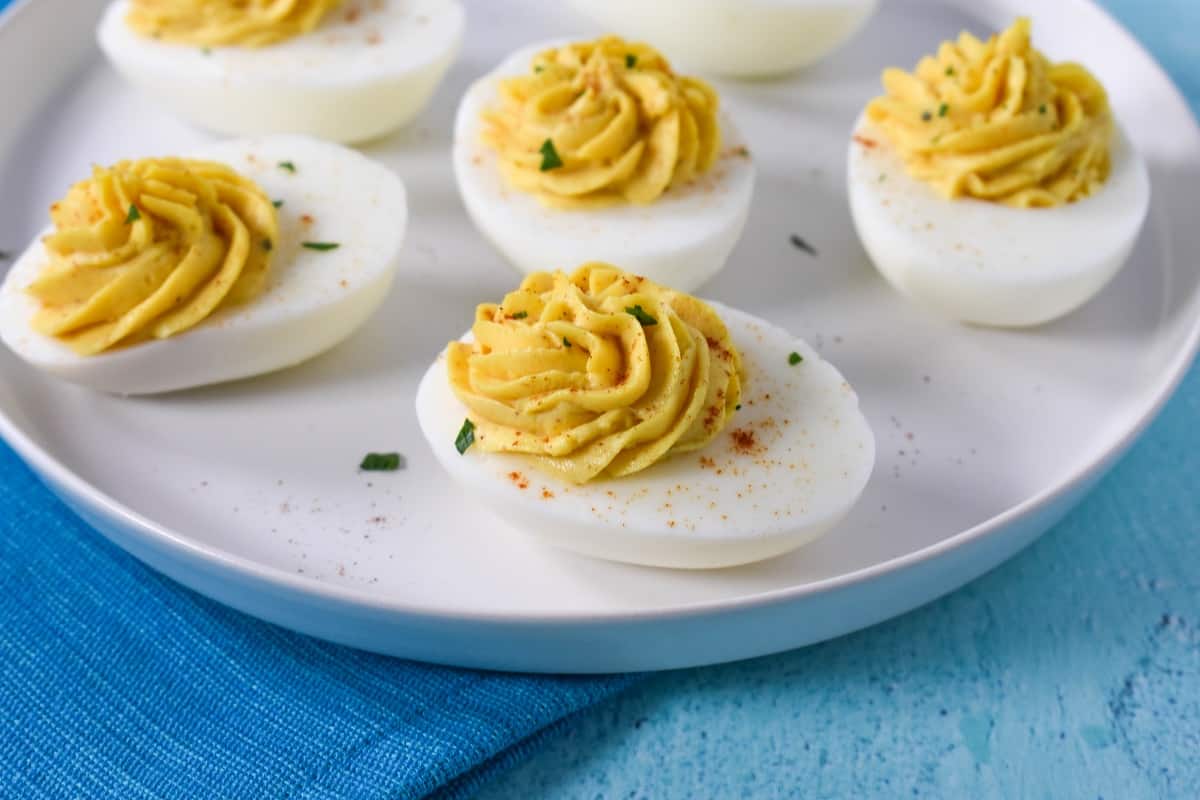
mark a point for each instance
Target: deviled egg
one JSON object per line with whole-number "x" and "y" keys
{"x": 612, "y": 416}
{"x": 166, "y": 273}
{"x": 600, "y": 147}
{"x": 737, "y": 38}
{"x": 346, "y": 71}
{"x": 994, "y": 186}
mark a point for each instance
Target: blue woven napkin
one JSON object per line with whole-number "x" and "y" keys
{"x": 116, "y": 682}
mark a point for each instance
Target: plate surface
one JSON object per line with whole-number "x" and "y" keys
{"x": 249, "y": 492}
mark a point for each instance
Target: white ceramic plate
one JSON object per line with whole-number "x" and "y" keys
{"x": 249, "y": 492}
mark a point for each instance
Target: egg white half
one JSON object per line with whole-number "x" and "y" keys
{"x": 680, "y": 240}
{"x": 737, "y": 38}
{"x": 986, "y": 263}
{"x": 805, "y": 457}
{"x": 368, "y": 69}
{"x": 313, "y": 299}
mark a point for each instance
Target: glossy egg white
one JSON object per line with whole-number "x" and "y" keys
{"x": 313, "y": 299}
{"x": 810, "y": 460}
{"x": 369, "y": 68}
{"x": 987, "y": 263}
{"x": 736, "y": 38}
{"x": 680, "y": 240}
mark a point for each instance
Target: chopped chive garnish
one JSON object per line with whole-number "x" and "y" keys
{"x": 926, "y": 116}
{"x": 566, "y": 342}
{"x": 795, "y": 358}
{"x": 466, "y": 437}
{"x": 206, "y": 51}
{"x": 949, "y": 70}
{"x": 288, "y": 165}
{"x": 800, "y": 244}
{"x": 882, "y": 177}
{"x": 550, "y": 159}
{"x": 538, "y": 68}
{"x": 640, "y": 315}
{"x": 277, "y": 203}
{"x": 322, "y": 246}
{"x": 1042, "y": 108}
{"x": 381, "y": 462}
{"x": 943, "y": 109}
{"x": 738, "y": 407}
{"x": 630, "y": 60}
{"x": 133, "y": 216}
{"x": 267, "y": 245}
{"x": 520, "y": 315}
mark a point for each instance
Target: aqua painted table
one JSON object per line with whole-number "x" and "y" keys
{"x": 1071, "y": 672}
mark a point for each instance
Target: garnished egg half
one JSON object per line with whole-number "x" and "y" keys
{"x": 790, "y": 463}
{"x": 341, "y": 221}
{"x": 368, "y": 68}
{"x": 681, "y": 239}
{"x": 989, "y": 264}
{"x": 737, "y": 38}
{"x": 1021, "y": 196}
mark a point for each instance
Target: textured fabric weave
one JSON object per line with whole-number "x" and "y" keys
{"x": 116, "y": 682}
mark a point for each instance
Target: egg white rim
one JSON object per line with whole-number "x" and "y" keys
{"x": 157, "y": 536}
{"x": 482, "y": 91}
{"x": 1128, "y": 166}
{"x": 321, "y": 79}
{"x": 253, "y": 317}
{"x": 826, "y": 515}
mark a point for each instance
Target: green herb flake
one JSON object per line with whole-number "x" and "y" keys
{"x": 926, "y": 116}
{"x": 277, "y": 203}
{"x": 566, "y": 342}
{"x": 382, "y": 462}
{"x": 206, "y": 51}
{"x": 550, "y": 158}
{"x": 640, "y": 315}
{"x": 288, "y": 165}
{"x": 795, "y": 358}
{"x": 799, "y": 243}
{"x": 322, "y": 246}
{"x": 738, "y": 407}
{"x": 950, "y": 71}
{"x": 630, "y": 61}
{"x": 519, "y": 315}
{"x": 466, "y": 437}
{"x": 943, "y": 110}
{"x": 267, "y": 245}
{"x": 537, "y": 68}
{"x": 1042, "y": 108}
{"x": 882, "y": 177}
{"x": 133, "y": 216}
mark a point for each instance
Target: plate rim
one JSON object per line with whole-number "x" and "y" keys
{"x": 155, "y": 536}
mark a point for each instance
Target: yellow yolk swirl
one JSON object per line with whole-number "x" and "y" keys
{"x": 997, "y": 121}
{"x": 149, "y": 249}
{"x": 220, "y": 23}
{"x": 601, "y": 122}
{"x": 596, "y": 373}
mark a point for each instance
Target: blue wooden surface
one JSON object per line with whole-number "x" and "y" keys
{"x": 1071, "y": 672}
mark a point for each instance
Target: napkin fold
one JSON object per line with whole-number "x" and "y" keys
{"x": 117, "y": 682}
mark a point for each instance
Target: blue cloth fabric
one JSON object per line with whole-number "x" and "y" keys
{"x": 116, "y": 682}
